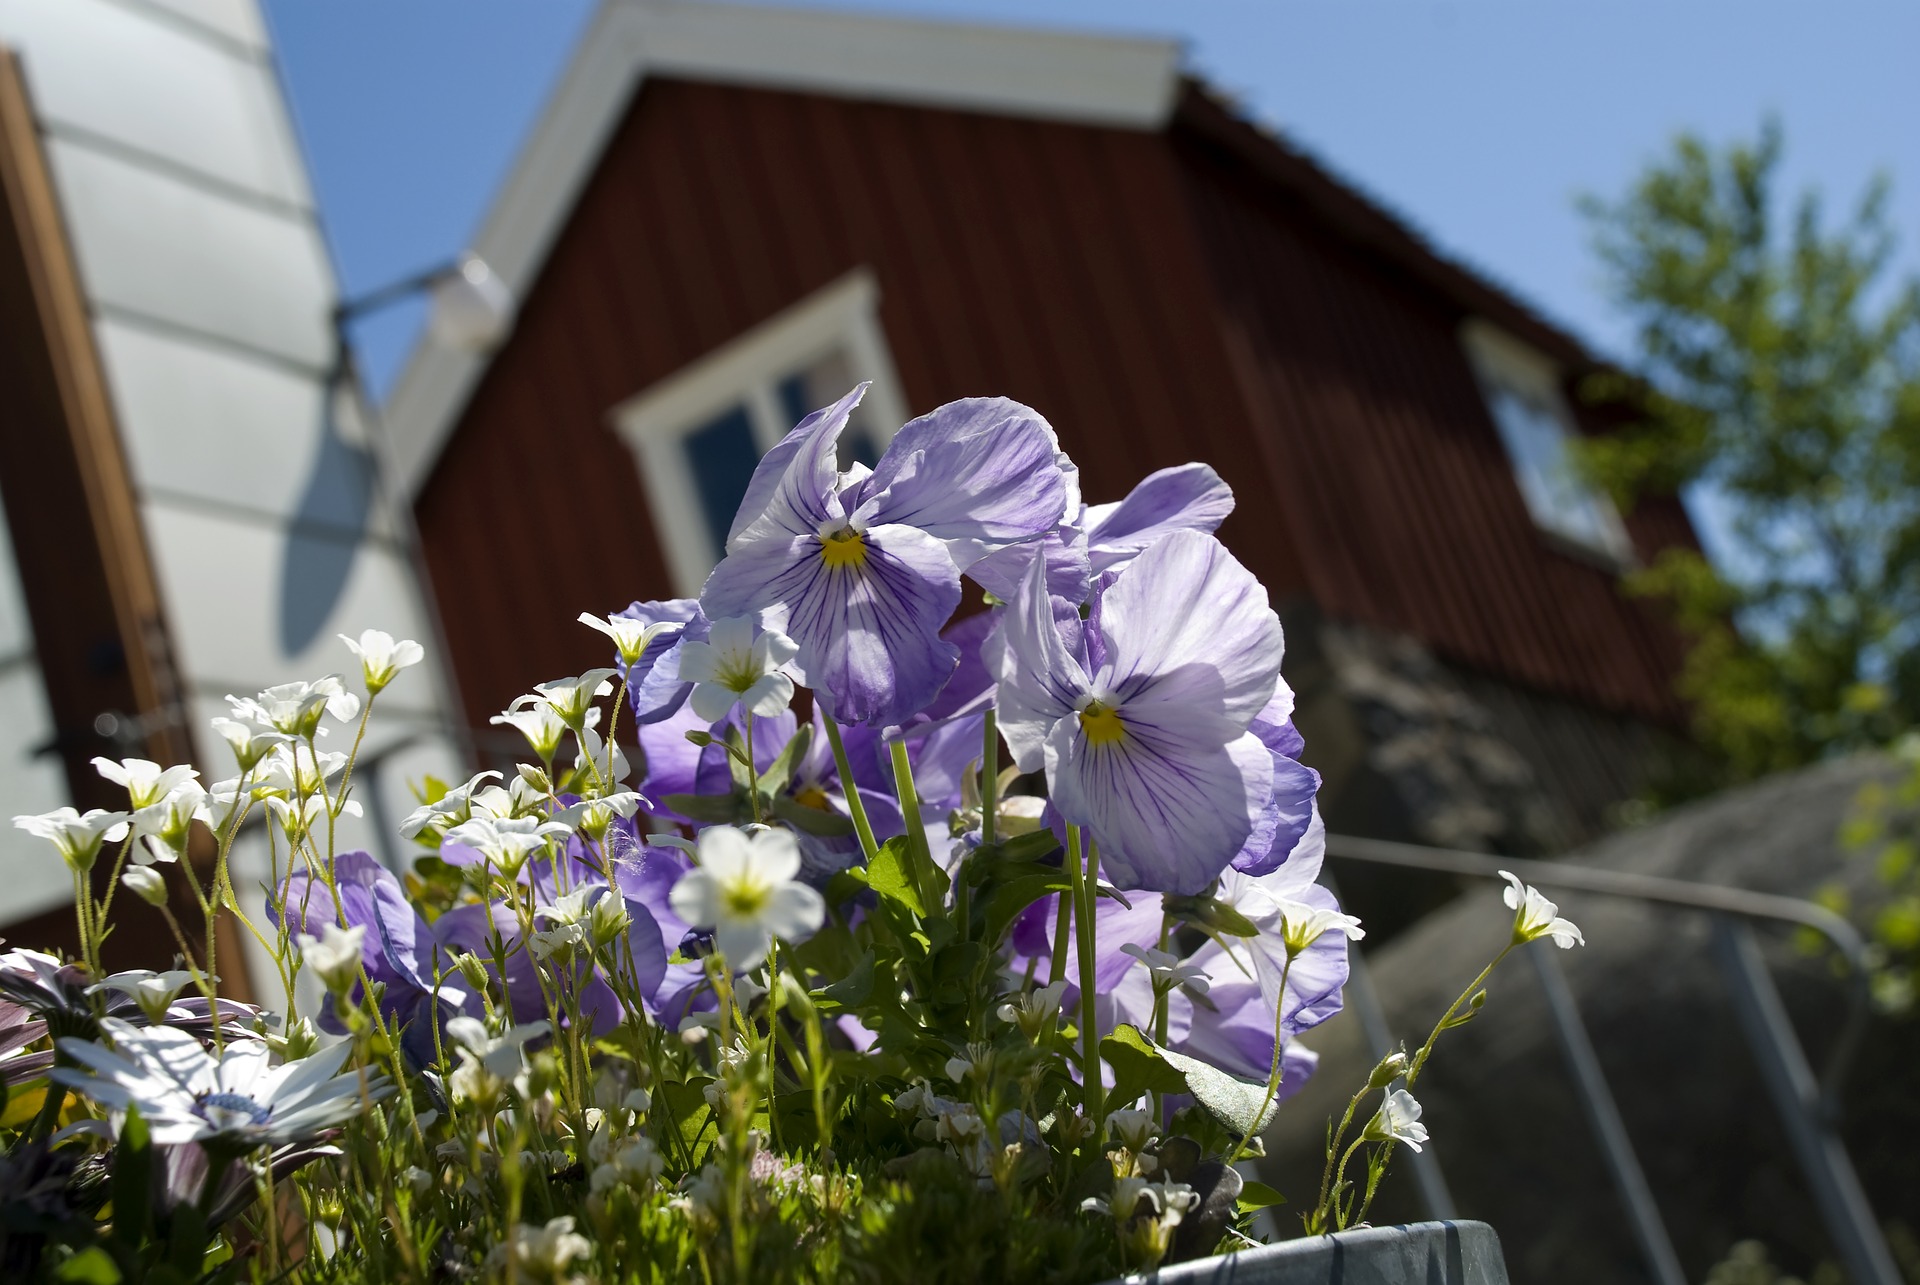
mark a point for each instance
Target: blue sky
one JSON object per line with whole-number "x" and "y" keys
{"x": 1477, "y": 120}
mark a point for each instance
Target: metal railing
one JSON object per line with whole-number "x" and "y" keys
{"x": 1808, "y": 1104}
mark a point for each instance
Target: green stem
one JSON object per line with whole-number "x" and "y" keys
{"x": 1085, "y": 885}
{"x": 753, "y": 771}
{"x": 1273, "y": 1077}
{"x": 1426, "y": 1050}
{"x": 918, "y": 855}
{"x": 1062, "y": 921}
{"x": 989, "y": 781}
{"x": 855, "y": 807}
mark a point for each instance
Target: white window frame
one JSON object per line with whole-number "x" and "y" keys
{"x": 843, "y": 316}
{"x": 1501, "y": 362}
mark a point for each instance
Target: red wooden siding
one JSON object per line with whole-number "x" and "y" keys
{"x": 1050, "y": 263}
{"x": 1156, "y": 301}
{"x": 1388, "y": 468}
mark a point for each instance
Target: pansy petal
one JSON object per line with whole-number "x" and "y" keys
{"x": 1041, "y": 681}
{"x": 1188, "y": 627}
{"x": 1168, "y": 816}
{"x": 791, "y": 491}
{"x": 978, "y": 473}
{"x": 1191, "y": 497}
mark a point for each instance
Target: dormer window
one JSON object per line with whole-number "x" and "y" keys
{"x": 698, "y": 434}
{"x": 1523, "y": 394}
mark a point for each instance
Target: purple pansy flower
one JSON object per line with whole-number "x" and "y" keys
{"x": 860, "y": 569}
{"x": 1140, "y": 718}
{"x": 1105, "y": 537}
{"x": 1284, "y": 822}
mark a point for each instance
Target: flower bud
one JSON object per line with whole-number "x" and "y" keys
{"x": 146, "y": 883}
{"x": 473, "y": 969}
{"x": 1391, "y": 1068}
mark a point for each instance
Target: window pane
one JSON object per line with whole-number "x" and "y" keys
{"x": 721, "y": 456}
{"x": 1559, "y": 499}
{"x": 821, "y": 384}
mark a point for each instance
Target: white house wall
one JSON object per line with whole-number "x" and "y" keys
{"x": 187, "y": 202}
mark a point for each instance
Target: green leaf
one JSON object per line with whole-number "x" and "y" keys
{"x": 91, "y": 1266}
{"x": 738, "y": 761}
{"x": 132, "y": 1190}
{"x": 1137, "y": 1067}
{"x": 1211, "y": 915}
{"x": 774, "y": 780}
{"x": 891, "y": 876}
{"x": 1006, "y": 902}
{"x": 1233, "y": 1102}
{"x": 1028, "y": 847}
{"x": 1257, "y": 1195}
{"x": 855, "y": 988}
{"x": 823, "y": 825}
{"x": 714, "y": 809}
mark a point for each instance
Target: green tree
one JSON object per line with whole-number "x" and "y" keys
{"x": 1779, "y": 368}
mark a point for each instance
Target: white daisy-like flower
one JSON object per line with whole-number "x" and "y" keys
{"x": 145, "y": 781}
{"x": 249, "y": 740}
{"x": 1132, "y": 1129}
{"x": 745, "y": 891}
{"x": 237, "y": 1100}
{"x": 1398, "y": 1120}
{"x": 1535, "y": 917}
{"x": 739, "y": 663}
{"x": 381, "y": 658}
{"x": 166, "y": 824}
{"x": 1168, "y": 970}
{"x": 488, "y": 1062}
{"x": 77, "y": 835}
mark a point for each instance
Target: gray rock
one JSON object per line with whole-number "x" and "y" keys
{"x": 1504, "y": 1119}
{"x": 1448, "y": 1253}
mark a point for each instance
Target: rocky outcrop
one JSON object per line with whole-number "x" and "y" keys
{"x": 1505, "y": 1121}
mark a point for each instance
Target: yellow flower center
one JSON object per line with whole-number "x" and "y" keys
{"x": 1101, "y": 724}
{"x": 745, "y": 899}
{"x": 812, "y": 796}
{"x": 843, "y": 548}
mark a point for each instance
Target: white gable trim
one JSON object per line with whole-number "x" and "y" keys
{"x": 1099, "y": 80}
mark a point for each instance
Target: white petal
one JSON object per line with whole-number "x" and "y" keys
{"x": 769, "y": 695}
{"x": 794, "y": 911}
{"x": 775, "y": 856}
{"x": 712, "y": 702}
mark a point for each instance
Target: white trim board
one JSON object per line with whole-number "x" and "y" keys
{"x": 1099, "y": 80}
{"x": 842, "y": 316}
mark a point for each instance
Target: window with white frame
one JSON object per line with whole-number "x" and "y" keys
{"x": 698, "y": 434}
{"x": 1523, "y": 393}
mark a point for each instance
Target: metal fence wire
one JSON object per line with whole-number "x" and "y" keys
{"x": 1808, "y": 1104}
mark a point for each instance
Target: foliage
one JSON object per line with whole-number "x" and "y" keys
{"x": 1884, "y": 823}
{"x": 1780, "y": 369}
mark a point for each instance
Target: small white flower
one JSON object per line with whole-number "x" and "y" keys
{"x": 1398, "y": 1120}
{"x": 167, "y": 823}
{"x": 451, "y": 807}
{"x": 418, "y": 1179}
{"x": 221, "y": 800}
{"x": 638, "y": 1163}
{"x": 335, "y": 956}
{"x": 507, "y": 842}
{"x": 592, "y": 816}
{"x": 540, "y": 1252}
{"x": 1033, "y": 1010}
{"x": 1167, "y": 969}
{"x": 1535, "y": 917}
{"x": 571, "y": 698}
{"x": 1132, "y": 1129}
{"x": 77, "y": 836}
{"x": 381, "y": 658}
{"x": 630, "y": 636}
{"x": 745, "y": 891}
{"x": 187, "y": 1095}
{"x": 145, "y": 883}
{"x": 298, "y": 818}
{"x": 294, "y": 709}
{"x": 153, "y": 992}
{"x": 593, "y": 750}
{"x": 249, "y": 741}
{"x": 1301, "y": 925}
{"x": 145, "y": 781}
{"x": 534, "y": 718}
{"x": 738, "y": 663}
{"x": 488, "y": 1062}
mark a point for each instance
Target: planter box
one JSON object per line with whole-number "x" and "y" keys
{"x": 1450, "y": 1253}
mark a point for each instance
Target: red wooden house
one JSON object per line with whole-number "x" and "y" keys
{"x": 729, "y": 214}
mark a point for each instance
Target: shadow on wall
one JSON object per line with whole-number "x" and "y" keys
{"x": 325, "y": 531}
